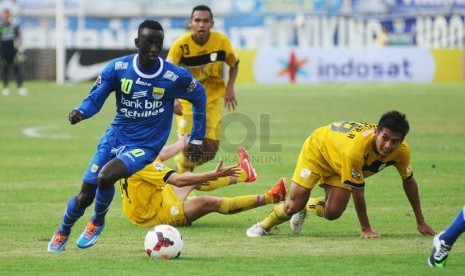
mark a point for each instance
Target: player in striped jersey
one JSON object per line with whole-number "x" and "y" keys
{"x": 145, "y": 87}
{"x": 340, "y": 156}
{"x": 204, "y": 52}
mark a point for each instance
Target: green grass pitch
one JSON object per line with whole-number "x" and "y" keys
{"x": 42, "y": 158}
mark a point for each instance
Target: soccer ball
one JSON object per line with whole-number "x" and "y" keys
{"x": 163, "y": 242}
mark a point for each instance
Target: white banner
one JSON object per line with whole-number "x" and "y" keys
{"x": 370, "y": 65}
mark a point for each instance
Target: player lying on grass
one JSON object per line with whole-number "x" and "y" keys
{"x": 149, "y": 201}
{"x": 340, "y": 156}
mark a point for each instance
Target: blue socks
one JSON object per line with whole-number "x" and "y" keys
{"x": 73, "y": 212}
{"x": 457, "y": 227}
{"x": 71, "y": 215}
{"x": 102, "y": 205}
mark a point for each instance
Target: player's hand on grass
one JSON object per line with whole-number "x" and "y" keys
{"x": 368, "y": 234}
{"x": 75, "y": 116}
{"x": 227, "y": 171}
{"x": 177, "y": 107}
{"x": 425, "y": 229}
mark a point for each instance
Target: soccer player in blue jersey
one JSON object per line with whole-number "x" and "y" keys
{"x": 443, "y": 242}
{"x": 145, "y": 87}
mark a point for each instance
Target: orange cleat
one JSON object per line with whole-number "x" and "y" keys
{"x": 246, "y": 165}
{"x": 279, "y": 191}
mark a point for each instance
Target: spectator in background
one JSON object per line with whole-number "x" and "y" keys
{"x": 203, "y": 52}
{"x": 11, "y": 53}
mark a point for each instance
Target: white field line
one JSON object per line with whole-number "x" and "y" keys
{"x": 48, "y": 131}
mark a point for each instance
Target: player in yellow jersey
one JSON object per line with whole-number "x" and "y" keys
{"x": 149, "y": 201}
{"x": 204, "y": 52}
{"x": 339, "y": 157}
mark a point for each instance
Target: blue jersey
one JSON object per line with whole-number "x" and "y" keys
{"x": 145, "y": 100}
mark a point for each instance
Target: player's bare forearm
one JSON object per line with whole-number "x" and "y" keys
{"x": 411, "y": 191}
{"x": 170, "y": 150}
{"x": 360, "y": 208}
{"x": 230, "y": 101}
{"x": 190, "y": 179}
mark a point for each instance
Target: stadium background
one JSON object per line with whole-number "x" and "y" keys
{"x": 331, "y": 41}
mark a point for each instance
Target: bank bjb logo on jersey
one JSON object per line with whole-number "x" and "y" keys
{"x": 158, "y": 93}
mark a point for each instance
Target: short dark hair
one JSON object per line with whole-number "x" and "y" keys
{"x": 151, "y": 24}
{"x": 202, "y": 8}
{"x": 395, "y": 121}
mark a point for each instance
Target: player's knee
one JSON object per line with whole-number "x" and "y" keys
{"x": 210, "y": 148}
{"x": 211, "y": 204}
{"x": 331, "y": 214}
{"x": 85, "y": 198}
{"x": 106, "y": 180}
{"x": 292, "y": 207}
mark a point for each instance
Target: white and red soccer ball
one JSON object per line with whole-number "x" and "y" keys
{"x": 163, "y": 242}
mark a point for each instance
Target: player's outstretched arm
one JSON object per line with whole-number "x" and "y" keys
{"x": 189, "y": 178}
{"x": 411, "y": 191}
{"x": 169, "y": 151}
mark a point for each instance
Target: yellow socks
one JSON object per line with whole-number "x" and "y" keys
{"x": 215, "y": 184}
{"x": 224, "y": 181}
{"x": 242, "y": 177}
{"x": 275, "y": 217}
{"x": 232, "y": 205}
{"x": 316, "y": 206}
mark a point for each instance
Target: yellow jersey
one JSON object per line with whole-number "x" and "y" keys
{"x": 348, "y": 149}
{"x": 205, "y": 62}
{"x": 142, "y": 193}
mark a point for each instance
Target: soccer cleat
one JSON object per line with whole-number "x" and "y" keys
{"x": 279, "y": 190}
{"x": 246, "y": 165}
{"x": 439, "y": 253}
{"x": 90, "y": 235}
{"x": 58, "y": 242}
{"x": 256, "y": 231}
{"x": 297, "y": 221}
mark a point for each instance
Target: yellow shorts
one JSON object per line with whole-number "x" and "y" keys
{"x": 171, "y": 210}
{"x": 213, "y": 108}
{"x": 312, "y": 168}
{"x": 184, "y": 122}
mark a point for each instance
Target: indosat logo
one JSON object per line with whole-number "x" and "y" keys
{"x": 351, "y": 69}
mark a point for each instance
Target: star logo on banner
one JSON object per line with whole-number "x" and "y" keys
{"x": 293, "y": 66}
